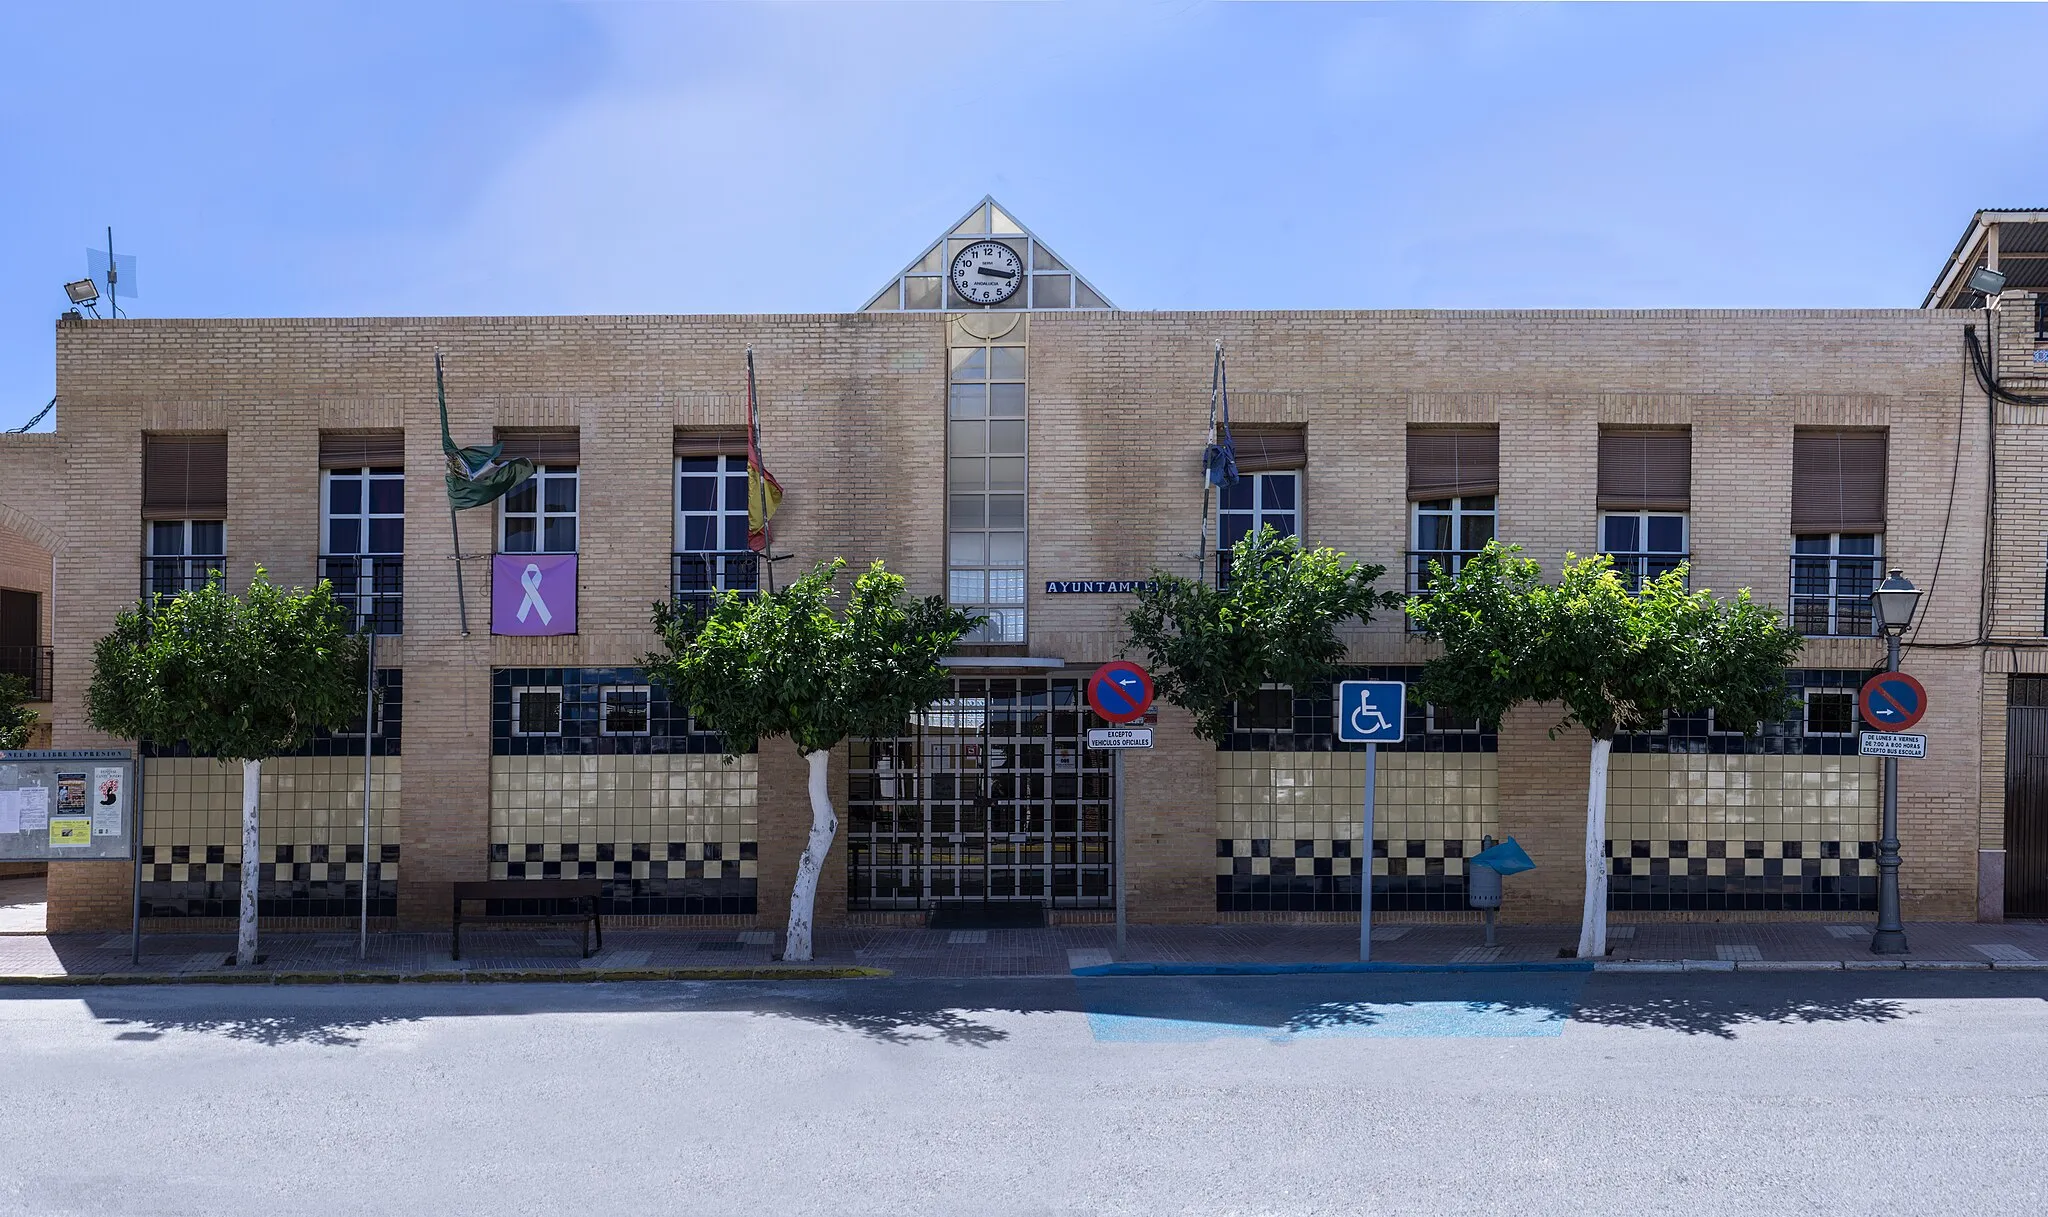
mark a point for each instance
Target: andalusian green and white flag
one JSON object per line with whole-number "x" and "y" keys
{"x": 476, "y": 475}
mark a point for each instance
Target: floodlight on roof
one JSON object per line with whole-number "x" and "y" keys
{"x": 84, "y": 291}
{"x": 1987, "y": 281}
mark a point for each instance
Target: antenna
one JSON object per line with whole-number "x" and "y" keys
{"x": 116, "y": 271}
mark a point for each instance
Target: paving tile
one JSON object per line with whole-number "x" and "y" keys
{"x": 2003, "y": 952}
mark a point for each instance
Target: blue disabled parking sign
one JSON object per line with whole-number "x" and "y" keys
{"x": 1371, "y": 711}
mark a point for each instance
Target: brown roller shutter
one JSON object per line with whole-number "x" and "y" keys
{"x": 184, "y": 477}
{"x": 1645, "y": 470}
{"x": 360, "y": 449}
{"x": 1263, "y": 449}
{"x": 1452, "y": 464}
{"x": 711, "y": 441}
{"x": 1838, "y": 481}
{"x": 543, "y": 447}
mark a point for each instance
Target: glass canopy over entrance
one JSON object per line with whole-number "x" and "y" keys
{"x": 987, "y": 261}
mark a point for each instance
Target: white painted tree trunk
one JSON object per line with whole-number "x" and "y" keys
{"x": 1593, "y": 924}
{"x": 252, "y": 865}
{"x": 803, "y": 897}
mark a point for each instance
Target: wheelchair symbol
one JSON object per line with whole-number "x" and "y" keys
{"x": 1370, "y": 711}
{"x": 1367, "y": 720}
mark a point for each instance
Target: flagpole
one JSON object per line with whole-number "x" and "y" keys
{"x": 454, "y": 532}
{"x": 1202, "y": 546}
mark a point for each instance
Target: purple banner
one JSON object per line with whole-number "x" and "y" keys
{"x": 533, "y": 594}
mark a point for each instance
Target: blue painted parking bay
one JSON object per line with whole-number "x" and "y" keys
{"x": 1311, "y": 1006}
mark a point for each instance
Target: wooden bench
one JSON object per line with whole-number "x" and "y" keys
{"x": 583, "y": 892}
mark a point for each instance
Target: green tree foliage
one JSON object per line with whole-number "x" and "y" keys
{"x": 1274, "y": 622}
{"x": 241, "y": 678}
{"x": 1616, "y": 660}
{"x": 784, "y": 663}
{"x": 16, "y": 719}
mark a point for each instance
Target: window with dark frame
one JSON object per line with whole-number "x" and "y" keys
{"x": 1442, "y": 720}
{"x": 1830, "y": 712}
{"x": 540, "y": 514}
{"x": 623, "y": 710}
{"x": 1838, "y": 524}
{"x": 537, "y": 711}
{"x": 1271, "y": 709}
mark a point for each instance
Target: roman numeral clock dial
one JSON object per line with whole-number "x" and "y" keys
{"x": 987, "y": 272}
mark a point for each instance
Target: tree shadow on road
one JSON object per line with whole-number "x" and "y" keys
{"x": 319, "y": 1029}
{"x": 1723, "y": 1016}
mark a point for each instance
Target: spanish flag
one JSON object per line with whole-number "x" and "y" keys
{"x": 764, "y": 493}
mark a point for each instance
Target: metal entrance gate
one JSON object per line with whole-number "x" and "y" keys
{"x": 989, "y": 796}
{"x": 2026, "y": 797}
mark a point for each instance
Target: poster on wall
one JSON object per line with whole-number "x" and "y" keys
{"x": 70, "y": 792}
{"x": 66, "y": 803}
{"x": 35, "y": 808}
{"x": 107, "y": 788}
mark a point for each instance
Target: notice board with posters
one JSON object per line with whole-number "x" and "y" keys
{"x": 66, "y": 805}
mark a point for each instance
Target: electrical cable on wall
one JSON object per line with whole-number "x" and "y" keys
{"x": 40, "y": 416}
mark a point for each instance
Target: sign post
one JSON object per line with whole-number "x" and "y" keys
{"x": 1890, "y": 701}
{"x": 1370, "y": 712}
{"x": 1121, "y": 692}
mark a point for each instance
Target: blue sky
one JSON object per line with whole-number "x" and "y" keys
{"x": 435, "y": 157}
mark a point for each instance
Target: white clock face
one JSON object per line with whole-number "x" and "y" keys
{"x": 987, "y": 272}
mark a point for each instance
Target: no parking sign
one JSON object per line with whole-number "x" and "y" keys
{"x": 1891, "y": 701}
{"x": 1120, "y": 691}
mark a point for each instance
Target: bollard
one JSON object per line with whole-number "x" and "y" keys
{"x": 1482, "y": 888}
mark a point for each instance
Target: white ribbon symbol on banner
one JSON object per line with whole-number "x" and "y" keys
{"x": 530, "y": 580}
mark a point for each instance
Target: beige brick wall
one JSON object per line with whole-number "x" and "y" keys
{"x": 852, "y": 409}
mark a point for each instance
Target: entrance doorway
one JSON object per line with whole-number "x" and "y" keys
{"x": 989, "y": 797}
{"x": 2026, "y": 797}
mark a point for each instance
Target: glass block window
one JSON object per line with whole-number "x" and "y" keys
{"x": 624, "y": 710}
{"x": 539, "y": 517}
{"x": 985, "y": 481}
{"x": 1272, "y": 709}
{"x": 1830, "y": 712}
{"x": 537, "y": 711}
{"x": 363, "y": 512}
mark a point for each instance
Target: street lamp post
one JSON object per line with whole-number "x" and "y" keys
{"x": 1892, "y": 602}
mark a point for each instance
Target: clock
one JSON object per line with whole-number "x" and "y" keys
{"x": 987, "y": 272}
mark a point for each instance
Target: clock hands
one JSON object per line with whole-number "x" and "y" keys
{"x": 990, "y": 270}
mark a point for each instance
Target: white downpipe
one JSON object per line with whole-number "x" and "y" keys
{"x": 803, "y": 897}
{"x": 252, "y": 865}
{"x": 1593, "y": 924}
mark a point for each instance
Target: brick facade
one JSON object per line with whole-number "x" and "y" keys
{"x": 852, "y": 416}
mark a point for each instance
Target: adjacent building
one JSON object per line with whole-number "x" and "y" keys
{"x": 995, "y": 429}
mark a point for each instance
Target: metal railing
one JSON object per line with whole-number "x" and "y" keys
{"x": 372, "y": 586}
{"x": 167, "y": 576}
{"x": 1452, "y": 560}
{"x": 1419, "y": 574}
{"x": 1637, "y": 569}
{"x": 695, "y": 578}
{"x": 1830, "y": 594}
{"x": 35, "y": 666}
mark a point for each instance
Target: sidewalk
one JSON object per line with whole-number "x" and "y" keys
{"x": 517, "y": 954}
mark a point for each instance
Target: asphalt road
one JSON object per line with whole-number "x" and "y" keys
{"x": 1522, "y": 1094}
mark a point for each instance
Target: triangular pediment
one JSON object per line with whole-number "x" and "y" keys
{"x": 1047, "y": 282}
